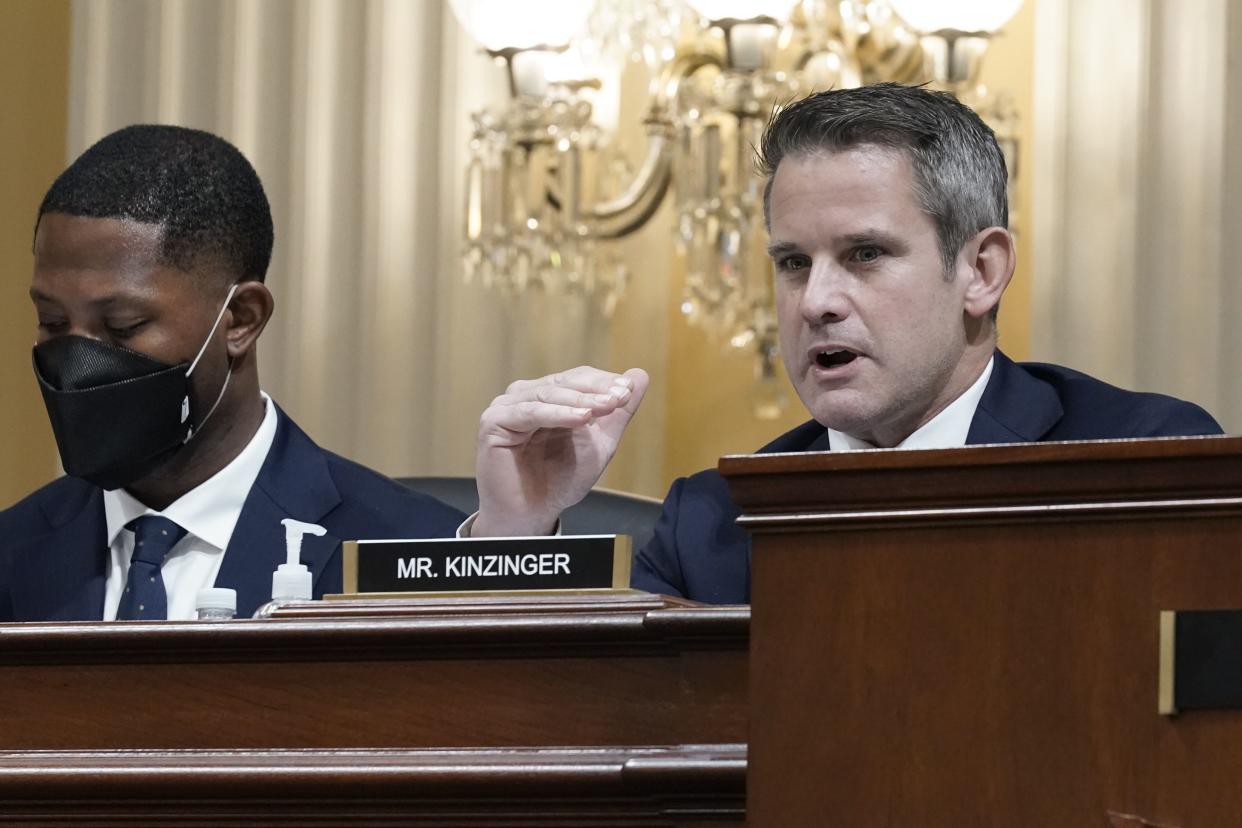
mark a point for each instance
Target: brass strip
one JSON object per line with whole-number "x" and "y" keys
{"x": 1168, "y": 663}
{"x": 349, "y": 559}
{"x": 483, "y": 593}
{"x": 756, "y": 521}
{"x": 622, "y": 561}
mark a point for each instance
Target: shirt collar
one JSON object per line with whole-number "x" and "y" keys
{"x": 948, "y": 429}
{"x": 210, "y": 510}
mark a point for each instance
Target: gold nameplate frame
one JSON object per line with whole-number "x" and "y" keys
{"x": 474, "y": 566}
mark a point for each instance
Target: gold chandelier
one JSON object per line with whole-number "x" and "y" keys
{"x": 547, "y": 188}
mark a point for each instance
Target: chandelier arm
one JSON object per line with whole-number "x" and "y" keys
{"x": 635, "y": 206}
{"x": 631, "y": 210}
{"x": 667, "y": 85}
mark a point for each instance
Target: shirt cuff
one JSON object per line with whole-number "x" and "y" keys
{"x": 463, "y": 531}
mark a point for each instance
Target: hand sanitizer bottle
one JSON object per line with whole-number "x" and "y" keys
{"x": 292, "y": 580}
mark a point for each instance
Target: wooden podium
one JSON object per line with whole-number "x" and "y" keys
{"x": 622, "y": 710}
{"x": 971, "y": 637}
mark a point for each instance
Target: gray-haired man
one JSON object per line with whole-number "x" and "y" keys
{"x": 886, "y": 207}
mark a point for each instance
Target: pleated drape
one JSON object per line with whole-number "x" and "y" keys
{"x": 1137, "y": 183}
{"x": 356, "y": 115}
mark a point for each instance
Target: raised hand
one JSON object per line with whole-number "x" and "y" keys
{"x": 544, "y": 443}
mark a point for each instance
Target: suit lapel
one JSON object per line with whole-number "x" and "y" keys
{"x": 293, "y": 483}
{"x": 810, "y": 436}
{"x": 62, "y": 575}
{"x": 1015, "y": 407}
{"x": 820, "y": 443}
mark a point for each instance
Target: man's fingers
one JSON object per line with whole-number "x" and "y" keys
{"x": 600, "y": 404}
{"x": 530, "y": 415}
{"x": 638, "y": 384}
{"x": 569, "y": 399}
{"x": 584, "y": 378}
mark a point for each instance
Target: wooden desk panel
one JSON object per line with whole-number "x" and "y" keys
{"x": 687, "y": 787}
{"x": 970, "y": 637}
{"x": 637, "y": 672}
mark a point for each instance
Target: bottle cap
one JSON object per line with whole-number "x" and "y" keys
{"x": 216, "y": 598}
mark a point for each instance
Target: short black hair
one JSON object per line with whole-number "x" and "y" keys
{"x": 198, "y": 187}
{"x": 960, "y": 177}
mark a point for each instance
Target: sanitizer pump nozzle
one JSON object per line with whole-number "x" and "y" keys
{"x": 292, "y": 580}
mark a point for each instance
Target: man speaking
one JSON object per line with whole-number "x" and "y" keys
{"x": 887, "y": 213}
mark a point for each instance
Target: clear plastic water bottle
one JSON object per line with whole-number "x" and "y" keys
{"x": 216, "y": 604}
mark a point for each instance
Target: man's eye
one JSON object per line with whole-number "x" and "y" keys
{"x": 789, "y": 264}
{"x": 866, "y": 254}
{"x": 53, "y": 326}
{"x": 124, "y": 330}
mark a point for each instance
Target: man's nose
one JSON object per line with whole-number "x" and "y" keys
{"x": 826, "y": 297}
{"x": 84, "y": 329}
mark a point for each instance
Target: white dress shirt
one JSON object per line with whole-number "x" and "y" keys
{"x": 948, "y": 429}
{"x": 208, "y": 513}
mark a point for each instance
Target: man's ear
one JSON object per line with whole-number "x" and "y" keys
{"x": 249, "y": 310}
{"x": 988, "y": 260}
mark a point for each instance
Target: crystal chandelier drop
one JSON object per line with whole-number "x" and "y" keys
{"x": 548, "y": 189}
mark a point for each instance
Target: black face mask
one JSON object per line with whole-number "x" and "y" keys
{"x": 117, "y": 414}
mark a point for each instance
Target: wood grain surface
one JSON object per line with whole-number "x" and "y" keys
{"x": 685, "y": 786}
{"x": 542, "y": 674}
{"x": 970, "y": 637}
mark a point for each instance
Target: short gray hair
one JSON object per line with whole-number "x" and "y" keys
{"x": 959, "y": 170}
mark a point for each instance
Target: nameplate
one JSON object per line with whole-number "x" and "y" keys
{"x": 1200, "y": 660}
{"x": 478, "y": 565}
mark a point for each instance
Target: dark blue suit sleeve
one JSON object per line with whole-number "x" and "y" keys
{"x": 656, "y": 566}
{"x": 6, "y": 586}
{"x": 1183, "y": 419}
{"x": 17, "y": 524}
{"x": 698, "y": 551}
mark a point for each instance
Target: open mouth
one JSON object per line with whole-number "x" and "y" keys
{"x": 832, "y": 359}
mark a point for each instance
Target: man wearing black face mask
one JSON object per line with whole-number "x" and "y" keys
{"x": 150, "y": 253}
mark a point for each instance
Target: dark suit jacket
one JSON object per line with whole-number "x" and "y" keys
{"x": 699, "y": 552}
{"x": 53, "y": 544}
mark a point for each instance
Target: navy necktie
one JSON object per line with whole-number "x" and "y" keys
{"x": 144, "y": 597}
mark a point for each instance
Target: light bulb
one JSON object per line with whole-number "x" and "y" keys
{"x": 958, "y": 15}
{"x": 500, "y": 24}
{"x": 743, "y": 9}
